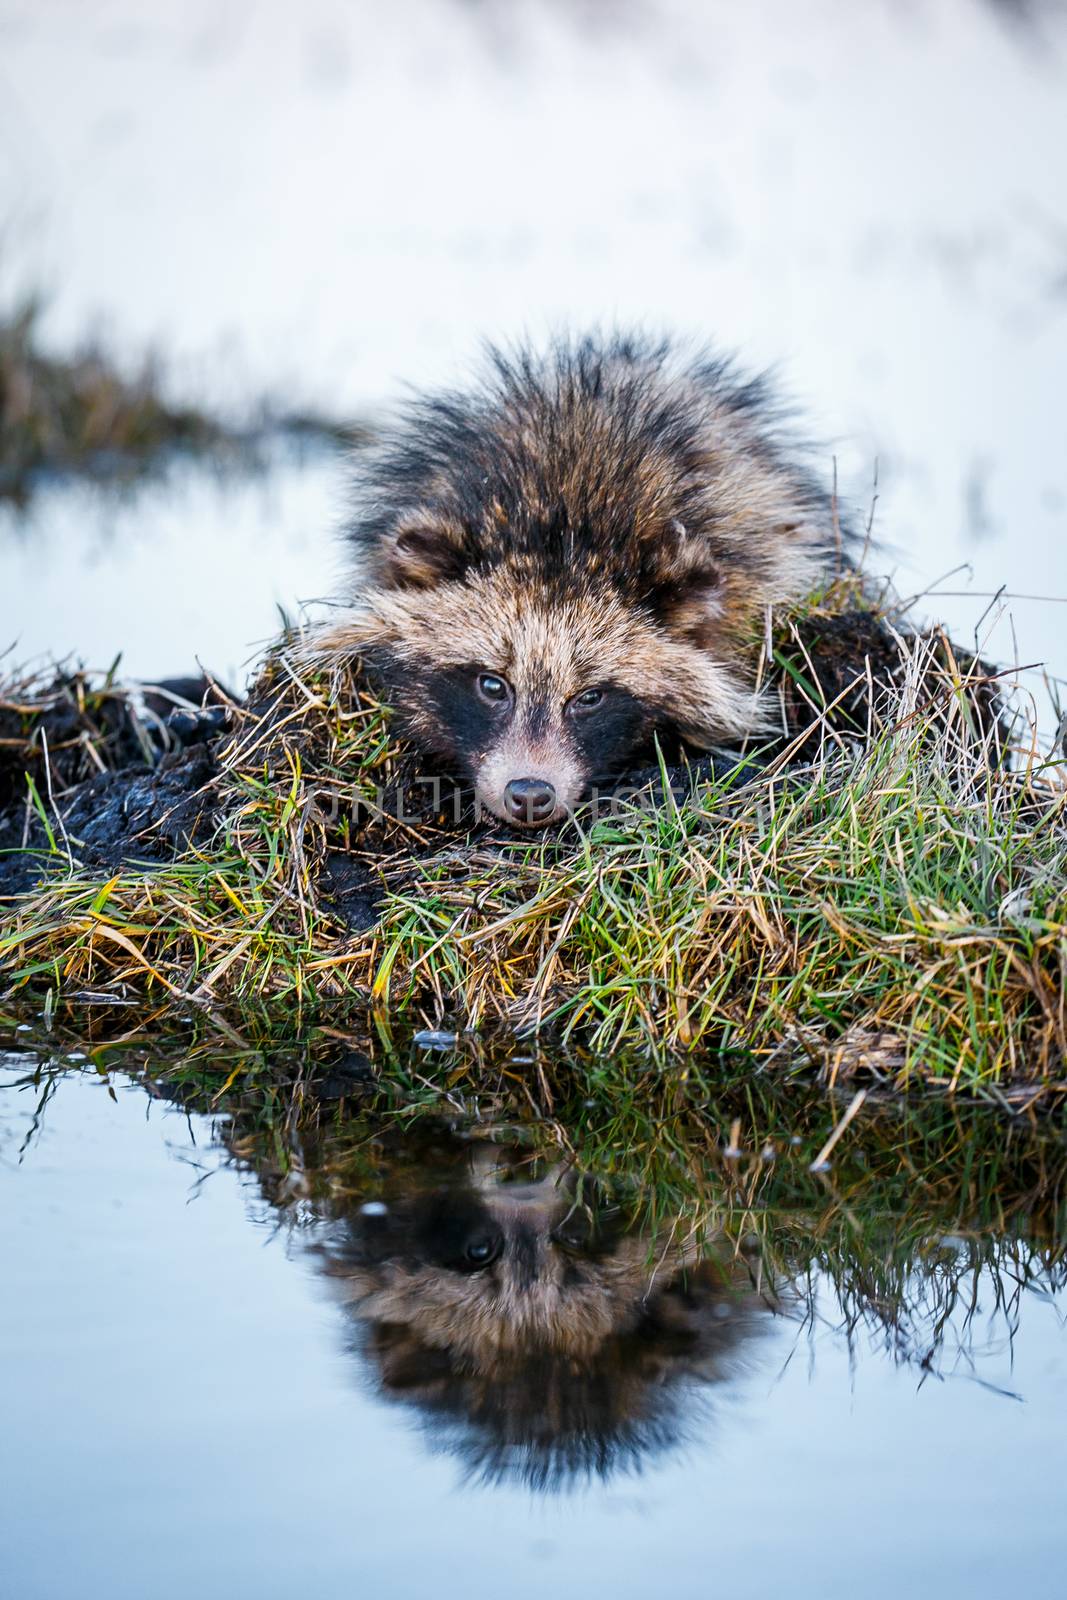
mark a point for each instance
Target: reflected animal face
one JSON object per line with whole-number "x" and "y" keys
{"x": 525, "y": 1307}
{"x": 494, "y": 1268}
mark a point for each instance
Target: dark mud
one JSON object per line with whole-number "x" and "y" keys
{"x": 121, "y": 777}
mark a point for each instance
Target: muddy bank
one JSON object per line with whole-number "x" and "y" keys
{"x": 111, "y": 778}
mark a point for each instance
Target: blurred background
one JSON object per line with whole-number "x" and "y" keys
{"x": 306, "y": 208}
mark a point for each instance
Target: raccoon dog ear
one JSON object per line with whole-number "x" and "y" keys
{"x": 687, "y": 585}
{"x": 422, "y": 549}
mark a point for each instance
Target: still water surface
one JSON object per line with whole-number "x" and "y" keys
{"x": 440, "y": 1371}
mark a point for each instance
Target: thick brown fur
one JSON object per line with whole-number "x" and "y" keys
{"x": 613, "y": 518}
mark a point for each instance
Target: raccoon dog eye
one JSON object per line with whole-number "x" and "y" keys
{"x": 571, "y": 1239}
{"x": 588, "y": 700}
{"x": 493, "y": 689}
{"x": 482, "y": 1250}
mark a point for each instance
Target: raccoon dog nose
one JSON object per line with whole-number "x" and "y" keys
{"x": 530, "y": 799}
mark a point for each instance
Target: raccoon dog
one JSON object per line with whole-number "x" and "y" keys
{"x": 572, "y": 556}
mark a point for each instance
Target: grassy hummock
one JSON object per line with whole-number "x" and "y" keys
{"x": 878, "y": 894}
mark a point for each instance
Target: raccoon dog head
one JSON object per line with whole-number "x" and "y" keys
{"x": 574, "y": 557}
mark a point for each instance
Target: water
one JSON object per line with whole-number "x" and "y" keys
{"x": 194, "y": 566}
{"x": 328, "y": 202}
{"x": 243, "y": 1354}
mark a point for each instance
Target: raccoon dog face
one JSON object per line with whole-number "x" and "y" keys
{"x": 572, "y": 557}
{"x": 532, "y": 689}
